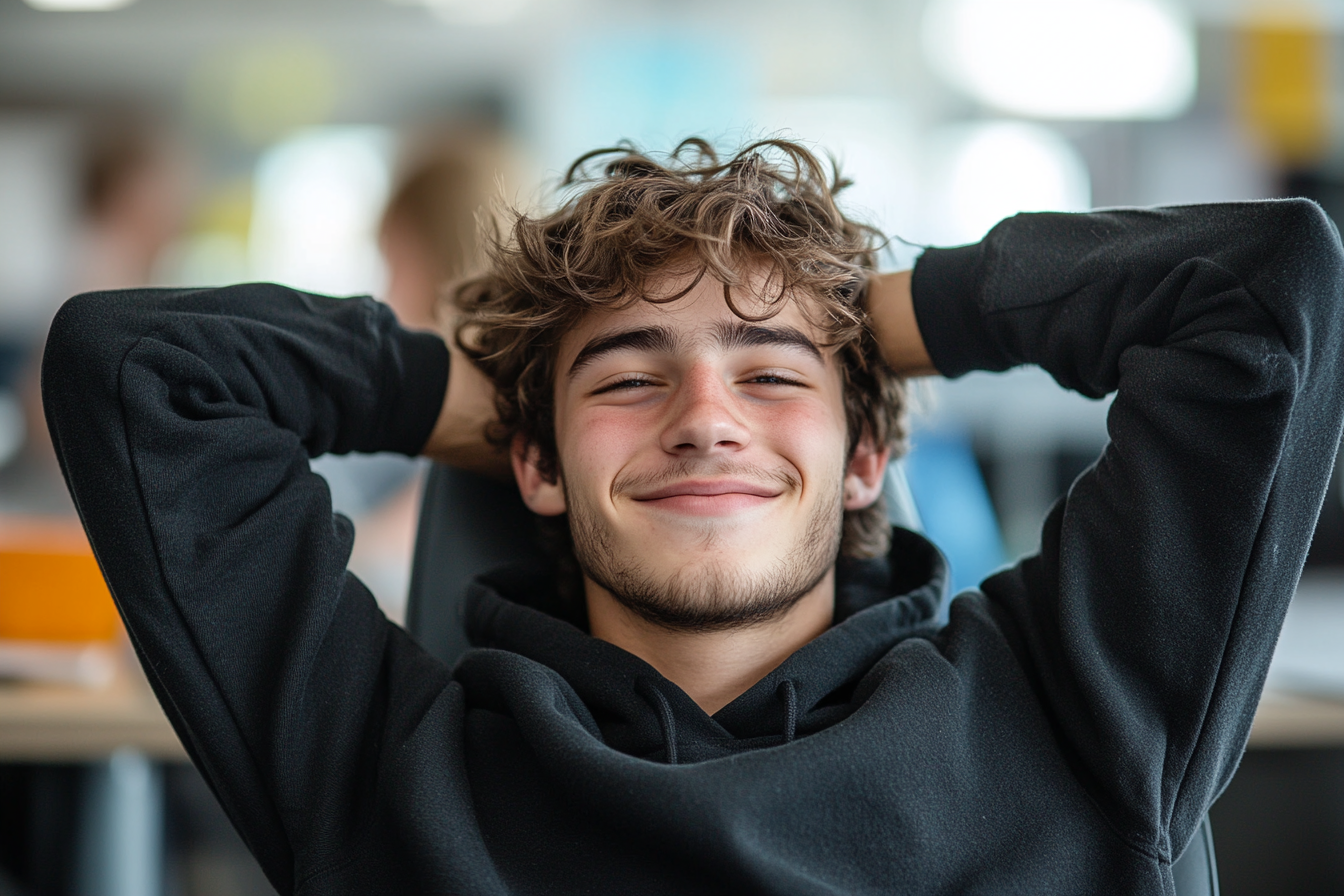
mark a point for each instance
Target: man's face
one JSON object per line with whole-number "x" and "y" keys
{"x": 702, "y": 457}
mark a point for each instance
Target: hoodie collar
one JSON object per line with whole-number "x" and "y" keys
{"x": 878, "y": 603}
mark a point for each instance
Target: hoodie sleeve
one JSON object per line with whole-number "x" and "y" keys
{"x": 184, "y": 421}
{"x": 1149, "y": 616}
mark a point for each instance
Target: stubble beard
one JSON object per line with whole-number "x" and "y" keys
{"x": 711, "y": 595}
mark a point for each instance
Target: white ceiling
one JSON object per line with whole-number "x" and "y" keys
{"x": 397, "y": 59}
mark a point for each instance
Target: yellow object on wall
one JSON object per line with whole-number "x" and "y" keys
{"x": 50, "y": 586}
{"x": 1283, "y": 86}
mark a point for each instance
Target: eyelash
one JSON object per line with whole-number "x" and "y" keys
{"x": 622, "y": 384}
{"x": 775, "y": 378}
{"x": 771, "y": 379}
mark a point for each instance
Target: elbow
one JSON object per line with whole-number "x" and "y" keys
{"x": 72, "y": 333}
{"x": 1305, "y": 263}
{"x": 1308, "y": 244}
{"x": 82, "y": 346}
{"x": 1316, "y": 272}
{"x": 1313, "y": 223}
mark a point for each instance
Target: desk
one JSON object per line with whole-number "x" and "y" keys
{"x": 121, "y": 734}
{"x": 1303, "y": 703}
{"x": 64, "y": 723}
{"x": 1287, "y": 720}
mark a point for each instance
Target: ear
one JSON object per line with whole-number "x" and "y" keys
{"x": 864, "y": 475}
{"x": 541, "y": 495}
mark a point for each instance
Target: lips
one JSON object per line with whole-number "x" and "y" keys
{"x": 710, "y": 488}
{"x": 704, "y": 498}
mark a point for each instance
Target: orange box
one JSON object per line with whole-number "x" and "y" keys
{"x": 50, "y": 586}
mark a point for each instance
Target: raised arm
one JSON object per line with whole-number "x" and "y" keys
{"x": 1148, "y": 618}
{"x": 184, "y": 421}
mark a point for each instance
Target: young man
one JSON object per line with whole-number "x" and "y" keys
{"x": 697, "y": 368}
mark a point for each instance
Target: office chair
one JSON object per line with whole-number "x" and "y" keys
{"x": 470, "y": 524}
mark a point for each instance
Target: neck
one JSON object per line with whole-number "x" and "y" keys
{"x": 713, "y": 668}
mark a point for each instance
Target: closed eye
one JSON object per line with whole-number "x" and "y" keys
{"x": 774, "y": 379}
{"x": 633, "y": 382}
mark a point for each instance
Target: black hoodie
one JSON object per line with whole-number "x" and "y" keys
{"x": 1064, "y": 732}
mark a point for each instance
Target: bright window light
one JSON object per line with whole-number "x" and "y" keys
{"x": 875, "y": 142}
{"x": 317, "y": 200}
{"x": 982, "y": 173}
{"x": 78, "y": 5}
{"x": 1074, "y": 59}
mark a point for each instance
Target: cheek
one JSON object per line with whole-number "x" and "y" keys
{"x": 812, "y": 438}
{"x": 594, "y": 444}
{"x": 805, "y": 435}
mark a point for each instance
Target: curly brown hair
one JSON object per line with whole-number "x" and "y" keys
{"x": 632, "y": 219}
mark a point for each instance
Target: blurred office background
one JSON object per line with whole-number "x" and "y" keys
{"x": 344, "y": 146}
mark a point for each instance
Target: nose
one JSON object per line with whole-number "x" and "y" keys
{"x": 703, "y": 417}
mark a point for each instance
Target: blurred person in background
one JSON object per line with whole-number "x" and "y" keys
{"x": 133, "y": 189}
{"x": 428, "y": 233}
{"x": 427, "y": 237}
{"x": 698, "y": 373}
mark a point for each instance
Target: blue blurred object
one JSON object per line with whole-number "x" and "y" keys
{"x": 653, "y": 87}
{"x": 13, "y": 354}
{"x": 954, "y": 504}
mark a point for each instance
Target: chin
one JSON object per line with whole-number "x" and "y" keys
{"x": 717, "y": 572}
{"x": 707, "y": 572}
{"x": 698, "y": 588}
{"x": 710, "y": 595}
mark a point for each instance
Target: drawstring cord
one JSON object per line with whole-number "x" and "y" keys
{"x": 790, "y": 695}
{"x": 786, "y": 691}
{"x": 665, "y": 718}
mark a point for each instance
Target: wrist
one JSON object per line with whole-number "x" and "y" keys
{"x": 892, "y": 312}
{"x": 459, "y": 435}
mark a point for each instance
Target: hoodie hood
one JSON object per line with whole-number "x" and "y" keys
{"x": 879, "y": 603}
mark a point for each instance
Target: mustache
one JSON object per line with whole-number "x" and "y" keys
{"x": 645, "y": 482}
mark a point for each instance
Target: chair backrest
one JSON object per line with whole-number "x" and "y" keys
{"x": 470, "y": 524}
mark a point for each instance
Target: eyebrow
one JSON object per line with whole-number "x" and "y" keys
{"x": 729, "y": 335}
{"x": 648, "y": 339}
{"x": 741, "y": 334}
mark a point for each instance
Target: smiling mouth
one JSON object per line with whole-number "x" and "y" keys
{"x": 719, "y": 497}
{"x": 710, "y": 488}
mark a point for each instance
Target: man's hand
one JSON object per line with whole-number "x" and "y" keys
{"x": 892, "y": 310}
{"x": 458, "y": 438}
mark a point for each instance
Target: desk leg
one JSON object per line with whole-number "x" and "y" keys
{"x": 121, "y": 828}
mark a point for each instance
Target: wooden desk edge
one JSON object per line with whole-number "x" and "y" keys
{"x": 1297, "y": 721}
{"x": 53, "y": 723}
